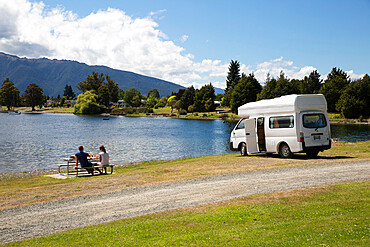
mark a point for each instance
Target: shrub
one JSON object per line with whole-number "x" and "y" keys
{"x": 87, "y": 104}
{"x": 182, "y": 112}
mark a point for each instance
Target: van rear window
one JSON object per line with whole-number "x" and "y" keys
{"x": 314, "y": 121}
{"x": 281, "y": 122}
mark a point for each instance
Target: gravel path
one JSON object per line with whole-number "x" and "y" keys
{"x": 42, "y": 219}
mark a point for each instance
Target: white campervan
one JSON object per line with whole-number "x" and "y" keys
{"x": 285, "y": 125}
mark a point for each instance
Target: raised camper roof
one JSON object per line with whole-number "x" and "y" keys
{"x": 284, "y": 104}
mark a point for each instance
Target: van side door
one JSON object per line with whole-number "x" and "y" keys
{"x": 251, "y": 135}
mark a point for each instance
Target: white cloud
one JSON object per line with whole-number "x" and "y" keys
{"x": 184, "y": 38}
{"x": 112, "y": 38}
{"x": 354, "y": 76}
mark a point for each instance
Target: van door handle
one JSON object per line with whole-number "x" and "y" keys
{"x": 247, "y": 134}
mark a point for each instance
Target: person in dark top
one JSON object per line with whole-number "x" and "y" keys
{"x": 82, "y": 158}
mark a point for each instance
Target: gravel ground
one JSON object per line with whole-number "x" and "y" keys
{"x": 41, "y": 219}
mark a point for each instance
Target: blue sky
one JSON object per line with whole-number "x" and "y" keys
{"x": 195, "y": 40}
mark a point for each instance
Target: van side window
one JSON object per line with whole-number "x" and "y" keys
{"x": 241, "y": 125}
{"x": 314, "y": 120}
{"x": 281, "y": 122}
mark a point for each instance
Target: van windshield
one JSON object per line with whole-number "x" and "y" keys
{"x": 317, "y": 120}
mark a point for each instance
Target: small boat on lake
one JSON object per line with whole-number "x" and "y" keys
{"x": 14, "y": 113}
{"x": 106, "y": 116}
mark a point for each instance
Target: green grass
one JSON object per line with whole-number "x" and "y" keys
{"x": 331, "y": 216}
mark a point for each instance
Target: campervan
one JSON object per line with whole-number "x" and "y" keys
{"x": 285, "y": 125}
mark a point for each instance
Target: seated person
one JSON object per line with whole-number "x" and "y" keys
{"x": 82, "y": 158}
{"x": 103, "y": 158}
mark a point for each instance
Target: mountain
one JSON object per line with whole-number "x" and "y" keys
{"x": 53, "y": 75}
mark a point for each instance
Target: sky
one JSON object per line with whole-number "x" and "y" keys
{"x": 192, "y": 42}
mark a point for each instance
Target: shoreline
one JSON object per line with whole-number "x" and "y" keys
{"x": 154, "y": 115}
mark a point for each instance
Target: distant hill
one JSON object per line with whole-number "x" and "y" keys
{"x": 53, "y": 75}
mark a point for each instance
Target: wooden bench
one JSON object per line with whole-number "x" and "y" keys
{"x": 71, "y": 164}
{"x": 79, "y": 169}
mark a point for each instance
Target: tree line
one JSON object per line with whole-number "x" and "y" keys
{"x": 101, "y": 90}
{"x": 350, "y": 98}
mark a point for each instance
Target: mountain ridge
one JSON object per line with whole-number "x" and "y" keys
{"x": 52, "y": 75}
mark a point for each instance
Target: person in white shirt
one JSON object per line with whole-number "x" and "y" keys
{"x": 103, "y": 158}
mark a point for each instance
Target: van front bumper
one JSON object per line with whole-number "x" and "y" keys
{"x": 232, "y": 147}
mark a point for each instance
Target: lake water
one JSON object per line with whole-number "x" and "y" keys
{"x": 40, "y": 141}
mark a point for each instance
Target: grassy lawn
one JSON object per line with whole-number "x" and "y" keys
{"x": 47, "y": 109}
{"x": 329, "y": 216}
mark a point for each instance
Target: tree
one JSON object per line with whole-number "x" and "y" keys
{"x": 204, "y": 99}
{"x": 187, "y": 98}
{"x": 282, "y": 86}
{"x": 354, "y": 102}
{"x": 233, "y": 77}
{"x": 113, "y": 89}
{"x": 87, "y": 103}
{"x": 106, "y": 89}
{"x": 68, "y": 92}
{"x": 162, "y": 102}
{"x": 334, "y": 86}
{"x": 33, "y": 96}
{"x": 311, "y": 84}
{"x": 92, "y": 82}
{"x": 152, "y": 101}
{"x": 269, "y": 89}
{"x": 103, "y": 94}
{"x": 219, "y": 96}
{"x": 133, "y": 97}
{"x": 245, "y": 91}
{"x": 154, "y": 92}
{"x": 9, "y": 94}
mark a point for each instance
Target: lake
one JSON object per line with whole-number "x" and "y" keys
{"x": 40, "y": 141}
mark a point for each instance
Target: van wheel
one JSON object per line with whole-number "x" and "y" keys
{"x": 312, "y": 153}
{"x": 285, "y": 151}
{"x": 243, "y": 149}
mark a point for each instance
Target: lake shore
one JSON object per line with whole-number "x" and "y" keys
{"x": 334, "y": 118}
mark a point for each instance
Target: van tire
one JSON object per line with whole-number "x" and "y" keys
{"x": 243, "y": 149}
{"x": 312, "y": 153}
{"x": 284, "y": 151}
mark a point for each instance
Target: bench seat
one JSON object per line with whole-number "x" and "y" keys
{"x": 71, "y": 168}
